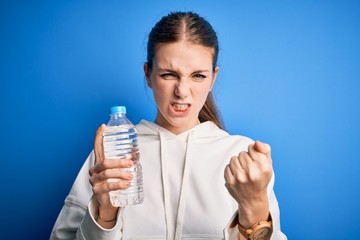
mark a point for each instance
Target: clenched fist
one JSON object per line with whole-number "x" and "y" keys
{"x": 247, "y": 177}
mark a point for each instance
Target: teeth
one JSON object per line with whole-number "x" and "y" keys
{"x": 180, "y": 107}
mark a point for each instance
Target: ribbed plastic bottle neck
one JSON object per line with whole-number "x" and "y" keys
{"x": 117, "y": 115}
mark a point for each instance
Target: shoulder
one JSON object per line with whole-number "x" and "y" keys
{"x": 237, "y": 142}
{"x": 235, "y": 138}
{"x": 223, "y": 139}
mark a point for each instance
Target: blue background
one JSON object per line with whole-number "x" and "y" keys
{"x": 290, "y": 76}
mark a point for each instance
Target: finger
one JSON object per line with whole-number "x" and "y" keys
{"x": 235, "y": 165}
{"x": 98, "y": 144}
{"x": 238, "y": 172}
{"x": 228, "y": 175}
{"x": 263, "y": 148}
{"x": 113, "y": 163}
{"x": 257, "y": 156}
{"x": 116, "y": 173}
{"x": 245, "y": 161}
{"x": 106, "y": 187}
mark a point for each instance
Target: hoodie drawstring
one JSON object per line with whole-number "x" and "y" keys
{"x": 164, "y": 176}
{"x": 175, "y": 232}
{"x": 184, "y": 191}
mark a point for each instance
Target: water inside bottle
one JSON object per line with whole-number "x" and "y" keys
{"x": 121, "y": 142}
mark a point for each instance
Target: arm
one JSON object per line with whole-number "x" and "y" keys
{"x": 97, "y": 219}
{"x": 102, "y": 220}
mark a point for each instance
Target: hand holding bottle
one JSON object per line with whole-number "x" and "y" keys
{"x": 103, "y": 170}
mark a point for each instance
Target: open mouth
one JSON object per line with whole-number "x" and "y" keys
{"x": 180, "y": 107}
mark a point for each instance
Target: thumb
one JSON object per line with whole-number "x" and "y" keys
{"x": 263, "y": 148}
{"x": 98, "y": 144}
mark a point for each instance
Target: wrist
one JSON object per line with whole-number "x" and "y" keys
{"x": 253, "y": 211}
{"x": 107, "y": 217}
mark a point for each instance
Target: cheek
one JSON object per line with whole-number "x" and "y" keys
{"x": 160, "y": 93}
{"x": 157, "y": 96}
{"x": 201, "y": 95}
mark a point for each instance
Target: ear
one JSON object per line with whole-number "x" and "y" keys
{"x": 147, "y": 74}
{"x": 214, "y": 77}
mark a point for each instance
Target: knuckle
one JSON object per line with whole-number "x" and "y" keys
{"x": 229, "y": 186}
{"x": 240, "y": 177}
{"x": 91, "y": 181}
{"x": 230, "y": 183}
{"x": 117, "y": 185}
{"x": 96, "y": 190}
{"x": 104, "y": 164}
{"x": 94, "y": 180}
{"x": 124, "y": 184}
{"x": 100, "y": 130}
{"x": 104, "y": 174}
{"x": 110, "y": 185}
{"x": 265, "y": 166}
{"x": 253, "y": 177}
{"x": 268, "y": 169}
{"x": 243, "y": 154}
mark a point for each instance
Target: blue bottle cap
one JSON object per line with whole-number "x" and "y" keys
{"x": 117, "y": 109}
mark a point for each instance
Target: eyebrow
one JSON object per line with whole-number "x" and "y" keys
{"x": 174, "y": 71}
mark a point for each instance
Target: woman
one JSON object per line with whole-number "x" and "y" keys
{"x": 186, "y": 157}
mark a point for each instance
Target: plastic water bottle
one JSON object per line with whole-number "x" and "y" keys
{"x": 120, "y": 141}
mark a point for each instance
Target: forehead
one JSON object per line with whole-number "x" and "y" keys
{"x": 183, "y": 55}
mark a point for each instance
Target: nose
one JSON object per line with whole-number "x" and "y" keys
{"x": 182, "y": 89}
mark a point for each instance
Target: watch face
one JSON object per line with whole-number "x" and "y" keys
{"x": 262, "y": 233}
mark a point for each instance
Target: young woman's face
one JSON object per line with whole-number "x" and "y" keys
{"x": 181, "y": 78}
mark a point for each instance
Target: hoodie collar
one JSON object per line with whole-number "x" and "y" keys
{"x": 205, "y": 131}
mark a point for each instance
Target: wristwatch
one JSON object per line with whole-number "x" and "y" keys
{"x": 259, "y": 231}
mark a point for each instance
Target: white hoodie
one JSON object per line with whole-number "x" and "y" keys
{"x": 185, "y": 196}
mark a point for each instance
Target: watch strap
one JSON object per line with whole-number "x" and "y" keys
{"x": 247, "y": 233}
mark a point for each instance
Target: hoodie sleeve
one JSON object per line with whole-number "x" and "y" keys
{"x": 75, "y": 206}
{"x": 77, "y": 217}
{"x": 90, "y": 229}
{"x": 232, "y": 233}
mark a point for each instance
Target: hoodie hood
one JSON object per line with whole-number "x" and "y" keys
{"x": 204, "y": 132}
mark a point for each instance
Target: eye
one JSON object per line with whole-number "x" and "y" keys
{"x": 199, "y": 76}
{"x": 168, "y": 76}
